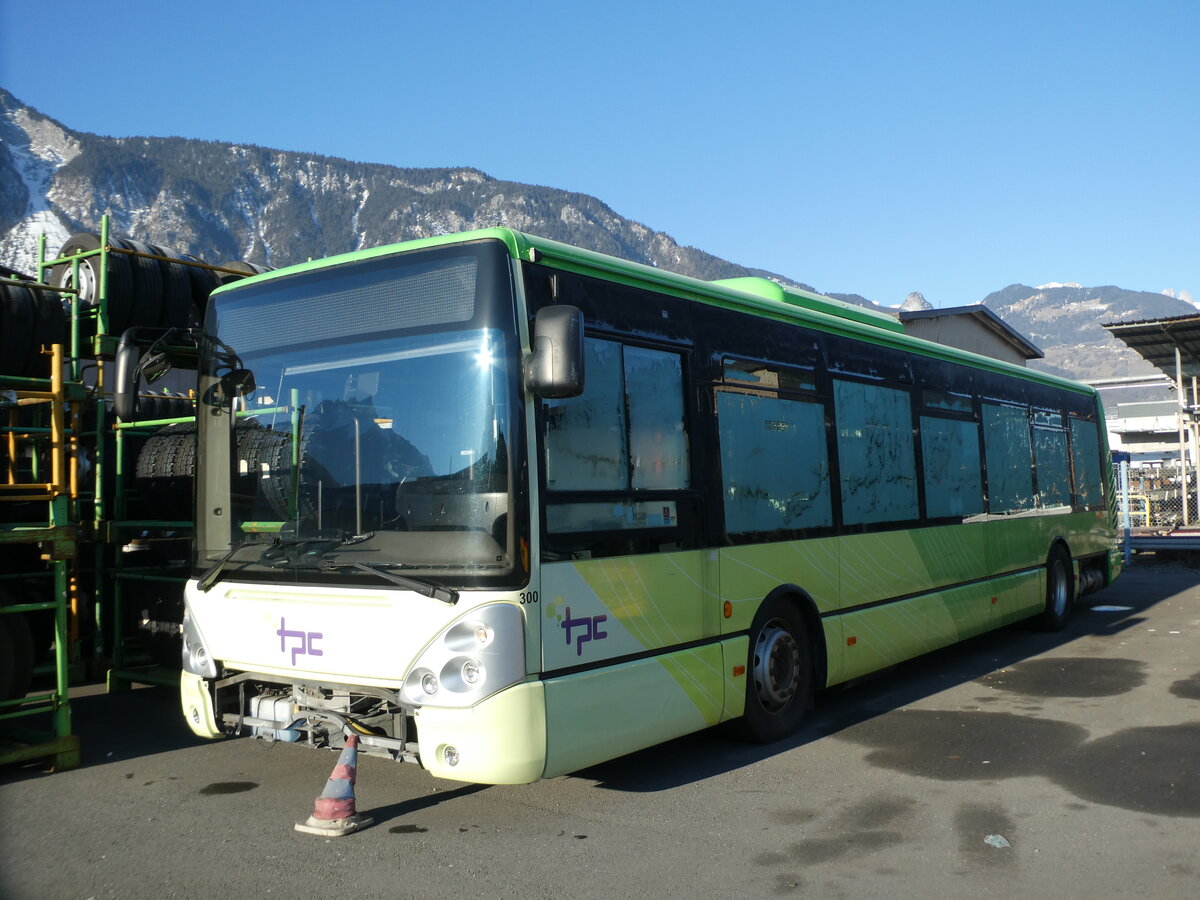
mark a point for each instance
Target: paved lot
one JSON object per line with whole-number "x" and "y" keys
{"x": 1076, "y": 755}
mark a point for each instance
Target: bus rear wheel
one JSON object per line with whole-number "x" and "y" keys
{"x": 1059, "y": 591}
{"x": 779, "y": 673}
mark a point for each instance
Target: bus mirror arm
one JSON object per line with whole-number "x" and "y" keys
{"x": 164, "y": 347}
{"x": 128, "y": 361}
{"x": 555, "y": 368}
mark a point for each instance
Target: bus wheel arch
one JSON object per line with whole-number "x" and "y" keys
{"x": 782, "y": 666}
{"x": 1060, "y": 588}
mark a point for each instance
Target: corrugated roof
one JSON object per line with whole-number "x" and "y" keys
{"x": 1156, "y": 340}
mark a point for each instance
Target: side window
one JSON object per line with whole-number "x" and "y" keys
{"x": 654, "y": 398}
{"x": 1050, "y": 455}
{"x": 774, "y": 463}
{"x": 586, "y": 447}
{"x": 953, "y": 483}
{"x": 875, "y": 453}
{"x": 624, "y": 434}
{"x": 1009, "y": 457}
{"x": 1085, "y": 457}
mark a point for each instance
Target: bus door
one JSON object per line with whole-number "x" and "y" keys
{"x": 627, "y": 594}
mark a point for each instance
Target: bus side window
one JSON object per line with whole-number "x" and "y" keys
{"x": 774, "y": 463}
{"x": 876, "y": 455}
{"x": 1053, "y": 467}
{"x": 586, "y": 435}
{"x": 1085, "y": 456}
{"x": 625, "y": 435}
{"x": 953, "y": 482}
{"x": 657, "y": 441}
{"x": 1009, "y": 457}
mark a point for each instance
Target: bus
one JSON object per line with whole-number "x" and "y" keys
{"x": 508, "y": 508}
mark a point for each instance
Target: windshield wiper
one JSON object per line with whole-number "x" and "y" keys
{"x": 277, "y": 549}
{"x": 213, "y": 573}
{"x": 425, "y": 588}
{"x": 301, "y": 551}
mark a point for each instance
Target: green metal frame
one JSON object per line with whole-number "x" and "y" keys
{"x": 78, "y": 526}
{"x": 125, "y": 670}
{"x": 38, "y": 726}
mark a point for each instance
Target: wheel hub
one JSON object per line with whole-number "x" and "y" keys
{"x": 1059, "y": 588}
{"x": 776, "y": 666}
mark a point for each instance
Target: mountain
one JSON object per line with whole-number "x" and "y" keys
{"x": 222, "y": 202}
{"x": 1064, "y": 320}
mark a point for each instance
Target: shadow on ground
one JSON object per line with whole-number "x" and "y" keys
{"x": 838, "y": 710}
{"x": 148, "y": 720}
{"x": 139, "y": 722}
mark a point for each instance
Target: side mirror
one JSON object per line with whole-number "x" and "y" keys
{"x": 555, "y": 370}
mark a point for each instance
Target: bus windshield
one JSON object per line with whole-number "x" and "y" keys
{"x": 370, "y": 433}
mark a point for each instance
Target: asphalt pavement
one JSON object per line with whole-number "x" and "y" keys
{"x": 1018, "y": 764}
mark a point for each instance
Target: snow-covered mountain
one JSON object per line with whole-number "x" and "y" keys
{"x": 223, "y": 202}
{"x": 1064, "y": 320}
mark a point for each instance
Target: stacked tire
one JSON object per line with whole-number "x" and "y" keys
{"x": 158, "y": 287}
{"x": 29, "y": 319}
{"x": 166, "y": 464}
{"x": 141, "y": 290}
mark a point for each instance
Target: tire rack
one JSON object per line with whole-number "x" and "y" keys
{"x": 78, "y": 522}
{"x": 57, "y": 536}
{"x": 111, "y": 524}
{"x": 124, "y": 671}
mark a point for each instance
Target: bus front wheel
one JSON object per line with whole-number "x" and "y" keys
{"x": 779, "y": 673}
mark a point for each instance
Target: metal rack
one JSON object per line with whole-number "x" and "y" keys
{"x": 38, "y": 725}
{"x": 67, "y": 501}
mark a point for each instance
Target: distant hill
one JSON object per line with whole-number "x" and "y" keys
{"x": 219, "y": 202}
{"x": 1064, "y": 320}
{"x": 226, "y": 201}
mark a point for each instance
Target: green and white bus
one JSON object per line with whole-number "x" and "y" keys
{"x": 509, "y": 508}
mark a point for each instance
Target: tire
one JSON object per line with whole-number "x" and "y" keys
{"x": 147, "y": 286}
{"x": 779, "y": 673}
{"x": 204, "y": 282}
{"x": 1060, "y": 591}
{"x": 177, "y": 289}
{"x": 16, "y": 329}
{"x": 248, "y": 268}
{"x": 51, "y": 325}
{"x": 120, "y": 284}
{"x": 165, "y": 468}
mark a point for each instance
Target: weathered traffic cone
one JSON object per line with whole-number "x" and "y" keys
{"x": 334, "y": 813}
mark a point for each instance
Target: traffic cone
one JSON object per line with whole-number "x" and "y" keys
{"x": 334, "y": 814}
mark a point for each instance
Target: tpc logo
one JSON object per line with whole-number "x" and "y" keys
{"x": 306, "y": 641}
{"x": 591, "y": 630}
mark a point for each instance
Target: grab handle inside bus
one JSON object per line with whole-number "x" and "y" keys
{"x": 555, "y": 370}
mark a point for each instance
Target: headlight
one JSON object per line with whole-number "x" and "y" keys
{"x": 480, "y": 654}
{"x": 196, "y": 658}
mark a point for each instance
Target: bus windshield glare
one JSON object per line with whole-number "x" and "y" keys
{"x": 371, "y": 432}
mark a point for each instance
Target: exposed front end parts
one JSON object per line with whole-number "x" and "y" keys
{"x": 317, "y": 715}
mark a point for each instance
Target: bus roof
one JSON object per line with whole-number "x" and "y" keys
{"x": 759, "y": 296}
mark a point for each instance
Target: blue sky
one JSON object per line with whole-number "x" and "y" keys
{"x": 868, "y": 146}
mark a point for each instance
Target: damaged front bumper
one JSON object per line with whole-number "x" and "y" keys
{"x": 500, "y": 740}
